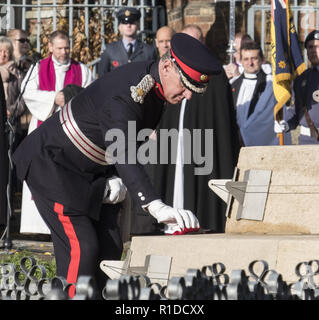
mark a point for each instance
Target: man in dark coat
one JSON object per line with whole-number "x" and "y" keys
{"x": 129, "y": 48}
{"x": 78, "y": 174}
{"x": 211, "y": 110}
{"x": 3, "y": 157}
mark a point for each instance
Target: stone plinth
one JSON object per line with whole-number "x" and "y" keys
{"x": 287, "y": 236}
{"x": 281, "y": 252}
{"x": 292, "y": 205}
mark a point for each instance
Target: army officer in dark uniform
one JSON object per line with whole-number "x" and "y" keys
{"x": 74, "y": 176}
{"x": 129, "y": 48}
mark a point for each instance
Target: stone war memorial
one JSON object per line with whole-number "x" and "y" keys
{"x": 270, "y": 247}
{"x": 269, "y": 250}
{"x": 272, "y": 230}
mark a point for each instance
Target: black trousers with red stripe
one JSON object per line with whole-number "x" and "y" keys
{"x": 80, "y": 243}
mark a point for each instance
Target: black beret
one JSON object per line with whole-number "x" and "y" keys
{"x": 194, "y": 60}
{"x": 313, "y": 35}
{"x": 128, "y": 15}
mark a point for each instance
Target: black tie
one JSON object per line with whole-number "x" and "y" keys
{"x": 130, "y": 49}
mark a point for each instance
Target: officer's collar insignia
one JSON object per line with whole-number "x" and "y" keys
{"x": 139, "y": 92}
{"x": 127, "y": 13}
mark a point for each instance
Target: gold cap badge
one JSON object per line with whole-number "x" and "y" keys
{"x": 127, "y": 13}
{"x": 203, "y": 77}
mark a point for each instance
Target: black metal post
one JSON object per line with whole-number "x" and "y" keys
{"x": 11, "y": 131}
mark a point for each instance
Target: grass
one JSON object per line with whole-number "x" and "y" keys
{"x": 44, "y": 259}
{"x": 15, "y": 258}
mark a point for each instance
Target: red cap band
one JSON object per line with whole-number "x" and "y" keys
{"x": 193, "y": 74}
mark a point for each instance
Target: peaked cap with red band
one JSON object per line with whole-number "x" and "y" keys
{"x": 194, "y": 60}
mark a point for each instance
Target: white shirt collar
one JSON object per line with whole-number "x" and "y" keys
{"x": 58, "y": 64}
{"x": 125, "y": 42}
{"x": 250, "y": 75}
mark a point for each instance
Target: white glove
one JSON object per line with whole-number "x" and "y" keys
{"x": 168, "y": 215}
{"x": 115, "y": 190}
{"x": 281, "y": 126}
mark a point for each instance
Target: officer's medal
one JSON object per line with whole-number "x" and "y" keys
{"x": 141, "y": 90}
{"x": 315, "y": 95}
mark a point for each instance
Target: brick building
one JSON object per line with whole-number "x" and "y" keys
{"x": 213, "y": 17}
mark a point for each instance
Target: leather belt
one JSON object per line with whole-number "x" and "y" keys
{"x": 305, "y": 131}
{"x": 78, "y": 138}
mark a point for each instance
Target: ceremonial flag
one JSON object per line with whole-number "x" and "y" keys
{"x": 286, "y": 57}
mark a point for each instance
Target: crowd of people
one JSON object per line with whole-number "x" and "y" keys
{"x": 71, "y": 188}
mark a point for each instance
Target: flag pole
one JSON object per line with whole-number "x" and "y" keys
{"x": 280, "y": 135}
{"x": 287, "y": 60}
{"x": 231, "y": 44}
{"x": 281, "y": 138}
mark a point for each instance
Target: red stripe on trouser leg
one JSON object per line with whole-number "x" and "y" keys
{"x": 74, "y": 244}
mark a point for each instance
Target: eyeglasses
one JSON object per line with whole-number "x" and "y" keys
{"x": 23, "y": 40}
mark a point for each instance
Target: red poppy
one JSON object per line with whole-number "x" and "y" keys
{"x": 115, "y": 63}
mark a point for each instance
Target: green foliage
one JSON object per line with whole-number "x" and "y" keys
{"x": 15, "y": 258}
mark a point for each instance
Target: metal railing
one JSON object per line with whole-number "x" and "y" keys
{"x": 18, "y": 15}
{"x": 305, "y": 15}
{"x": 211, "y": 282}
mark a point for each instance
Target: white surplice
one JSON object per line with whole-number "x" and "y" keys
{"x": 41, "y": 106}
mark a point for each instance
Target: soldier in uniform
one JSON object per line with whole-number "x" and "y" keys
{"x": 74, "y": 174}
{"x": 129, "y": 48}
{"x": 306, "y": 92}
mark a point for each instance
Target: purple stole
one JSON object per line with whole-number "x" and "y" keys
{"x": 47, "y": 76}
